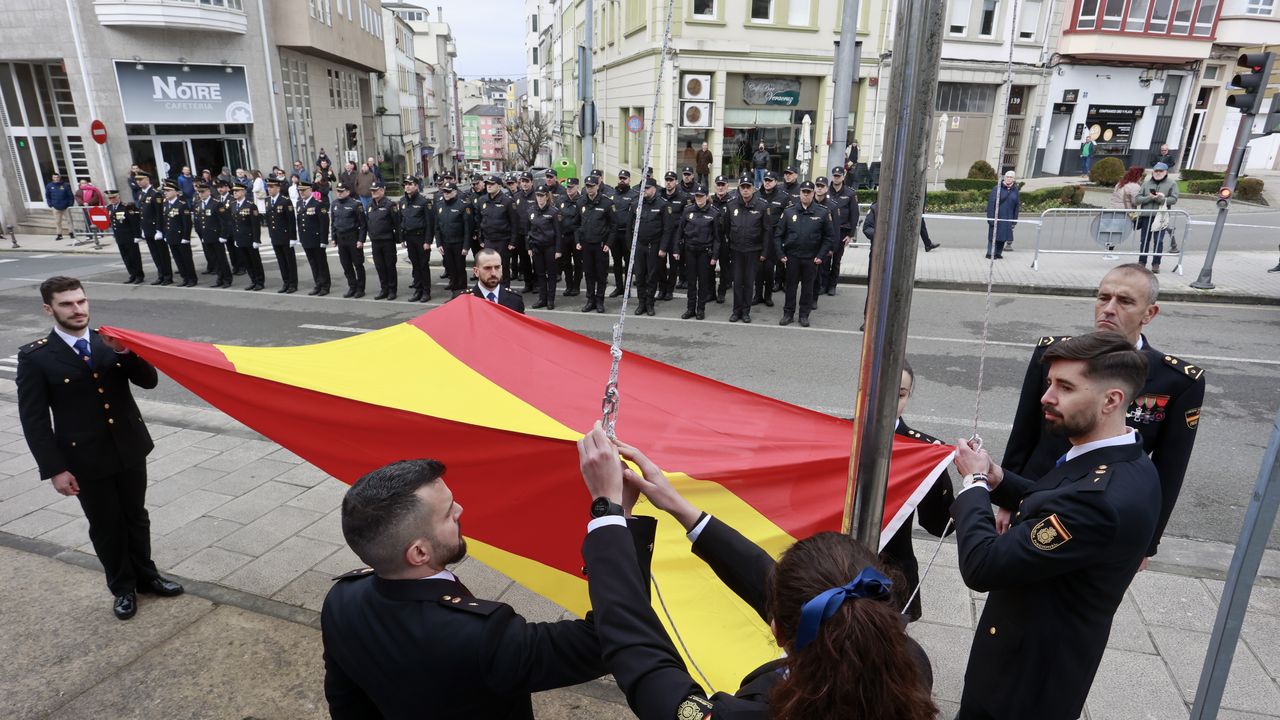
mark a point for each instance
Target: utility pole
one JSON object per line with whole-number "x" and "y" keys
{"x": 913, "y": 84}
{"x": 587, "y": 115}
{"x": 845, "y": 75}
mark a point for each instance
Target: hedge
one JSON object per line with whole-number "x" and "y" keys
{"x": 975, "y": 201}
{"x": 973, "y": 184}
{"x": 1249, "y": 189}
{"x": 1204, "y": 187}
{"x": 1201, "y": 175}
{"x": 1106, "y": 172}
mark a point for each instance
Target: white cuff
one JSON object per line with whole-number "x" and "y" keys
{"x": 600, "y": 522}
{"x": 697, "y": 529}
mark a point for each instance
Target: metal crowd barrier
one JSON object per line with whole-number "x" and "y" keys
{"x": 1112, "y": 233}
{"x": 79, "y": 215}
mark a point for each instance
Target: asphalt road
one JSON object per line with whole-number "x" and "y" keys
{"x": 815, "y": 367}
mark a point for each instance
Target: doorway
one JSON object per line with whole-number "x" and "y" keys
{"x": 1056, "y": 146}
{"x": 1192, "y": 142}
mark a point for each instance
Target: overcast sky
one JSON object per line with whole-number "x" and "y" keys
{"x": 489, "y": 33}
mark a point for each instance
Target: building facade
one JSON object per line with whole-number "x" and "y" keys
{"x": 485, "y": 133}
{"x": 436, "y": 50}
{"x": 398, "y": 102}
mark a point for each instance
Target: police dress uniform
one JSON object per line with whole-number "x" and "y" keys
{"x": 212, "y": 223}
{"x": 246, "y": 233}
{"x": 415, "y": 230}
{"x": 697, "y": 241}
{"x": 771, "y": 271}
{"x": 625, "y": 198}
{"x": 453, "y": 229}
{"x": 97, "y": 434}
{"x": 544, "y": 243}
{"x": 802, "y": 234}
{"x": 175, "y": 226}
{"x": 656, "y": 226}
{"x": 234, "y": 257}
{"x": 1054, "y": 578}
{"x": 151, "y": 207}
{"x": 282, "y": 228}
{"x": 1166, "y": 413}
{"x": 126, "y": 228}
{"x": 313, "y": 234}
{"x": 596, "y": 233}
{"x": 384, "y": 236}
{"x": 348, "y": 220}
{"x": 746, "y": 224}
{"x": 496, "y": 217}
{"x": 642, "y": 658}
{"x": 724, "y": 260}
{"x": 672, "y": 276}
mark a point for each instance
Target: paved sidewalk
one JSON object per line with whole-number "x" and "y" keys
{"x": 254, "y": 532}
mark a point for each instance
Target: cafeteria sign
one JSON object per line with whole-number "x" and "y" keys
{"x": 771, "y": 91}
{"x": 177, "y": 93}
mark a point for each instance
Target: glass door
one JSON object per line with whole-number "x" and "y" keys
{"x": 173, "y": 156}
{"x": 236, "y": 152}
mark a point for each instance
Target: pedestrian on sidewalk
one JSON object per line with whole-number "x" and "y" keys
{"x": 760, "y": 164}
{"x": 96, "y": 447}
{"x": 1114, "y": 227}
{"x": 58, "y": 195}
{"x": 1057, "y": 575}
{"x": 87, "y": 196}
{"x": 1088, "y": 149}
{"x": 702, "y": 162}
{"x": 1003, "y": 205}
{"x": 1158, "y": 193}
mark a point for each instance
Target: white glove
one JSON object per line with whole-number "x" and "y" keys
{"x": 222, "y": 240}
{"x": 159, "y": 235}
{"x": 293, "y": 243}
{"x": 185, "y": 242}
{"x": 138, "y": 241}
{"x": 257, "y": 245}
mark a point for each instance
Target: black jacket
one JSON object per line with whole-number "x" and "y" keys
{"x": 506, "y": 298}
{"x": 804, "y": 233}
{"x": 350, "y": 224}
{"x": 246, "y": 224}
{"x": 747, "y": 224}
{"x": 383, "y": 218}
{"x": 1054, "y": 578}
{"x": 1166, "y": 412}
{"x": 96, "y": 428}
{"x": 656, "y": 222}
{"x": 496, "y": 217}
{"x": 544, "y": 225}
{"x": 700, "y": 228}
{"x": 636, "y": 647}
{"x": 416, "y": 217}
{"x": 453, "y": 222}
{"x": 175, "y": 221}
{"x": 126, "y": 222}
{"x": 595, "y": 220}
{"x": 282, "y": 225}
{"x": 844, "y": 209}
{"x": 211, "y": 220}
{"x": 313, "y": 223}
{"x": 150, "y": 204}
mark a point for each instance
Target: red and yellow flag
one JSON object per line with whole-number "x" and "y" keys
{"x": 501, "y": 399}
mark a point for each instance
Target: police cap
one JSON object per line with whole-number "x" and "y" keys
{"x": 671, "y": 175}
{"x": 592, "y": 181}
{"x": 650, "y": 182}
{"x": 806, "y": 185}
{"x": 821, "y": 180}
{"x": 624, "y": 174}
{"x": 699, "y": 190}
{"x": 411, "y": 179}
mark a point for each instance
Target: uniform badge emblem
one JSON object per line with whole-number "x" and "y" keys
{"x": 694, "y": 708}
{"x": 1049, "y": 533}
{"x": 1193, "y": 418}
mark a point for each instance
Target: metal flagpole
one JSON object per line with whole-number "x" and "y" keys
{"x": 845, "y": 75}
{"x": 913, "y": 84}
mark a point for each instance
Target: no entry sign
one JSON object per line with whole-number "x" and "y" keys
{"x": 99, "y": 217}
{"x": 98, "y": 131}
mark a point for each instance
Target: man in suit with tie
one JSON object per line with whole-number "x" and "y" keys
{"x": 96, "y": 446}
{"x": 488, "y": 272}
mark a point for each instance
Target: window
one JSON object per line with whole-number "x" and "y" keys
{"x": 959, "y": 17}
{"x": 762, "y": 10}
{"x": 535, "y": 87}
{"x": 1204, "y": 17}
{"x": 1029, "y": 19}
{"x": 1182, "y": 17}
{"x": 1088, "y": 19}
{"x": 799, "y": 12}
{"x": 229, "y": 4}
{"x": 1160, "y": 16}
{"x": 987, "y": 27}
{"x": 535, "y": 56}
{"x": 966, "y": 98}
{"x": 320, "y": 11}
{"x": 704, "y": 8}
{"x": 1211, "y": 72}
{"x": 1137, "y": 15}
{"x": 1259, "y": 7}
{"x": 1112, "y": 14}
{"x": 533, "y": 23}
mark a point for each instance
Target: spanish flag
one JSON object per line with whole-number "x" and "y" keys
{"x": 501, "y": 399}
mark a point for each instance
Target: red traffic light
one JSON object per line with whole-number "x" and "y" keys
{"x": 1224, "y": 193}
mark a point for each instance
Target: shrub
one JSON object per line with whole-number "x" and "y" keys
{"x": 1201, "y": 175}
{"x": 981, "y": 170}
{"x": 1057, "y": 196}
{"x": 1204, "y": 187}
{"x": 1106, "y": 172}
{"x": 1249, "y": 189}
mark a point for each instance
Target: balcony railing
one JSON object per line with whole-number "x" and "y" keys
{"x": 213, "y": 15}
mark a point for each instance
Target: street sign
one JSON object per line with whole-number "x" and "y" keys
{"x": 635, "y": 123}
{"x": 98, "y": 131}
{"x": 99, "y": 217}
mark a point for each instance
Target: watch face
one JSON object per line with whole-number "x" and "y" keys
{"x": 599, "y": 507}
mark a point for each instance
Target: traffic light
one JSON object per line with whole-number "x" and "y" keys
{"x": 1224, "y": 197}
{"x": 1254, "y": 83}
{"x": 353, "y": 136}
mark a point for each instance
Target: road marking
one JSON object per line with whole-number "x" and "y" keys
{"x": 336, "y": 328}
{"x": 42, "y": 256}
{"x": 8, "y": 260}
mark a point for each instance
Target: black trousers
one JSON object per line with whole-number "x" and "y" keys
{"x": 765, "y": 277}
{"x": 571, "y": 265}
{"x": 119, "y": 527}
{"x": 727, "y": 278}
{"x": 544, "y": 272}
{"x": 159, "y": 250}
{"x": 351, "y": 258}
{"x": 216, "y": 254}
{"x": 675, "y": 271}
{"x": 235, "y": 257}
{"x": 744, "y": 265}
{"x": 132, "y": 258}
{"x": 319, "y": 262}
{"x": 384, "y": 261}
{"x": 830, "y": 271}
{"x": 521, "y": 262}
{"x": 699, "y": 275}
{"x": 501, "y": 246}
{"x": 252, "y": 260}
{"x": 454, "y": 257}
{"x": 646, "y": 272}
{"x": 183, "y": 259}
{"x": 595, "y": 266}
{"x": 801, "y": 273}
{"x": 419, "y": 274}
{"x": 621, "y": 252}
{"x": 287, "y": 259}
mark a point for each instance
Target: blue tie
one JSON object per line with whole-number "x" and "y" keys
{"x": 493, "y": 298}
{"x": 1061, "y": 460}
{"x": 82, "y": 349}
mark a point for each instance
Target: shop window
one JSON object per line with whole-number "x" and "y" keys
{"x": 959, "y": 17}
{"x": 1029, "y": 19}
{"x": 1088, "y": 18}
{"x": 1137, "y": 15}
{"x": 762, "y": 11}
{"x": 987, "y": 27}
{"x": 965, "y": 98}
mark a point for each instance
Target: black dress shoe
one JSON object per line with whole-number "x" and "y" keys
{"x": 720, "y": 299}
{"x": 701, "y": 315}
{"x": 931, "y": 248}
{"x": 130, "y": 281}
{"x": 359, "y": 294}
{"x": 157, "y": 281}
{"x": 126, "y": 606}
{"x": 804, "y": 321}
{"x": 551, "y": 304}
{"x": 160, "y": 586}
{"x": 746, "y": 319}
{"x": 283, "y": 290}
{"x": 381, "y": 296}
{"x": 323, "y": 292}
{"x": 640, "y": 309}
{"x": 391, "y": 296}
{"x": 768, "y": 302}
{"x": 167, "y": 281}
{"x": 540, "y": 304}
{"x": 292, "y": 289}
{"x": 140, "y": 279}
{"x": 687, "y": 314}
{"x": 617, "y": 292}
{"x": 416, "y": 296}
{"x": 757, "y": 300}
{"x": 589, "y": 306}
{"x": 735, "y": 317}
{"x": 426, "y": 297}
{"x": 314, "y": 291}
{"x": 351, "y": 292}
{"x": 831, "y": 291}
{"x": 650, "y": 311}
{"x": 600, "y": 305}
{"x": 786, "y": 320}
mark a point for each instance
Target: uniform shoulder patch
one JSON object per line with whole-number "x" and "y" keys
{"x": 354, "y": 574}
{"x": 925, "y": 437}
{"x": 475, "y": 606}
{"x": 1192, "y": 371}
{"x": 1048, "y": 340}
{"x": 1049, "y": 533}
{"x": 694, "y": 707}
{"x": 1193, "y": 418}
{"x": 33, "y": 346}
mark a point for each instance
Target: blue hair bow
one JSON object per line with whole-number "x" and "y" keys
{"x": 868, "y": 584}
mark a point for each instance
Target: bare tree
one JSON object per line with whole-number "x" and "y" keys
{"x": 531, "y": 135}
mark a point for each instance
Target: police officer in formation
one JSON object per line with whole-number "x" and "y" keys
{"x": 544, "y": 244}
{"x": 697, "y": 242}
{"x": 720, "y": 196}
{"x": 350, "y": 228}
{"x": 472, "y": 197}
{"x": 672, "y": 276}
{"x": 747, "y": 229}
{"x": 656, "y": 226}
{"x": 771, "y": 271}
{"x": 234, "y": 256}
{"x": 453, "y": 224}
{"x": 282, "y": 229}
{"x": 151, "y": 207}
{"x": 246, "y": 233}
{"x": 496, "y": 218}
{"x": 523, "y": 201}
{"x": 313, "y": 235}
{"x": 384, "y": 236}
{"x": 175, "y": 226}
{"x": 596, "y": 232}
{"x": 212, "y": 222}
{"x": 570, "y": 258}
{"x": 803, "y": 236}
{"x": 842, "y": 201}
{"x": 126, "y": 227}
{"x": 416, "y": 218}
{"x": 624, "y": 199}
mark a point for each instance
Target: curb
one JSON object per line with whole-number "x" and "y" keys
{"x": 1206, "y": 296}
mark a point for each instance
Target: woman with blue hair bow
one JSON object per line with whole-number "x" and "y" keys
{"x": 832, "y": 610}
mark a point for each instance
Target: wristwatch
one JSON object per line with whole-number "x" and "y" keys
{"x": 602, "y": 506}
{"x": 976, "y": 479}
